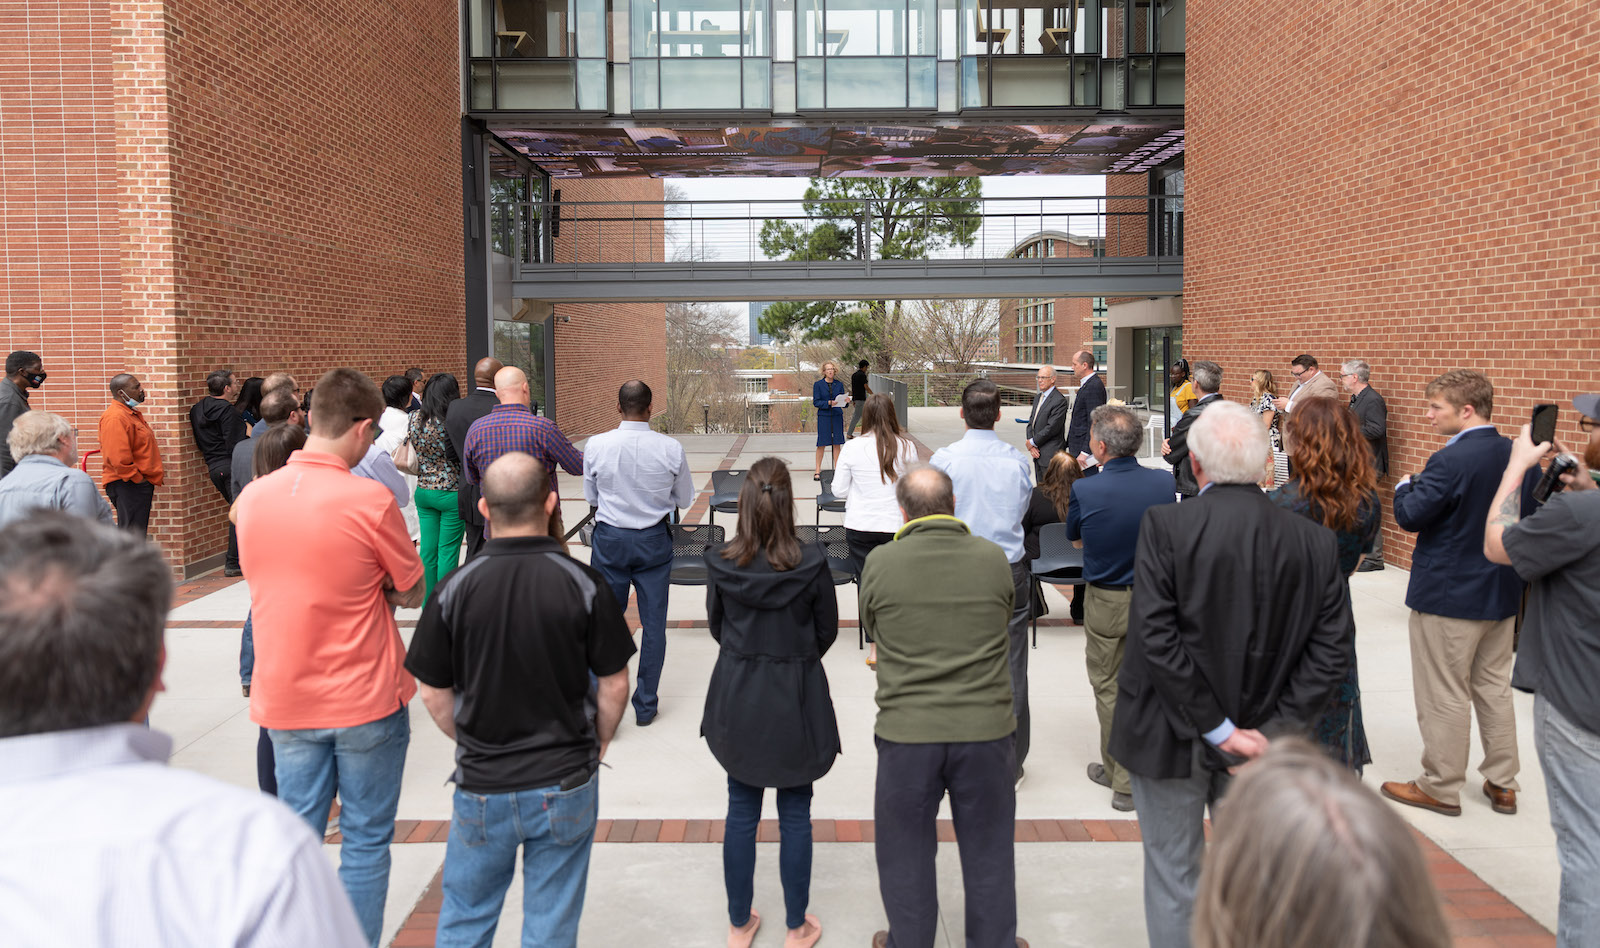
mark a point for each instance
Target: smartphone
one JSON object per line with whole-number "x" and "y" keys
{"x": 1544, "y": 423}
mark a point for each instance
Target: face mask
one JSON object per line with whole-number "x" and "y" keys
{"x": 130, "y": 402}
{"x": 36, "y": 379}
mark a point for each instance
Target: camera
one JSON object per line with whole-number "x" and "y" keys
{"x": 1551, "y": 483}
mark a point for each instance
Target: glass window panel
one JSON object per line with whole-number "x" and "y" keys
{"x": 534, "y": 28}
{"x": 688, "y": 29}
{"x": 1141, "y": 88}
{"x": 621, "y": 89}
{"x": 1169, "y": 80}
{"x": 643, "y": 22}
{"x": 646, "y": 84}
{"x": 1111, "y": 85}
{"x": 591, "y": 17}
{"x": 482, "y": 87}
{"x": 783, "y": 89}
{"x": 1031, "y": 81}
{"x": 1143, "y": 26}
{"x": 783, "y": 38}
{"x": 866, "y": 82}
{"x": 1169, "y": 36}
{"x": 948, "y": 31}
{"x": 753, "y": 21}
{"x": 700, "y": 83}
{"x": 809, "y": 84}
{"x": 1084, "y": 84}
{"x": 757, "y": 84}
{"x": 1086, "y": 32}
{"x": 973, "y": 92}
{"x": 537, "y": 85}
{"x": 922, "y": 28}
{"x": 923, "y": 92}
{"x": 811, "y": 31}
{"x": 865, "y": 27}
{"x": 974, "y": 13}
{"x": 947, "y": 87}
{"x": 478, "y": 28}
{"x": 592, "y": 84}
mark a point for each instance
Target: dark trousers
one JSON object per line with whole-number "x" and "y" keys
{"x": 132, "y": 502}
{"x": 912, "y": 779}
{"x": 794, "y": 850}
{"x": 266, "y": 765}
{"x": 641, "y": 559}
{"x": 1017, "y": 658}
{"x": 222, "y": 480}
{"x": 862, "y": 542}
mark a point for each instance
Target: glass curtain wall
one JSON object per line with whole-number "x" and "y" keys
{"x": 537, "y": 55}
{"x": 701, "y": 54}
{"x": 1030, "y": 52}
{"x": 1149, "y": 372}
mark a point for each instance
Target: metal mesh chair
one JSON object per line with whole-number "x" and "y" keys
{"x": 725, "y": 488}
{"x": 1058, "y": 562}
{"x": 690, "y": 541}
{"x": 825, "y": 499}
{"x": 841, "y": 565}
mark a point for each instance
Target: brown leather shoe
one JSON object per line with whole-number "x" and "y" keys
{"x": 1411, "y": 795}
{"x": 1501, "y": 799}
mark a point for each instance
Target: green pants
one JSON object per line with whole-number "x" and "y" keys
{"x": 1105, "y": 633}
{"x": 441, "y": 527}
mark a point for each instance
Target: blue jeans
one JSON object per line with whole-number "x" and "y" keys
{"x": 364, "y": 764}
{"x": 794, "y": 850}
{"x": 555, "y": 829}
{"x": 247, "y": 652}
{"x": 1570, "y": 756}
{"x": 643, "y": 559}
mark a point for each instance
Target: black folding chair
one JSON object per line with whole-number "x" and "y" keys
{"x": 725, "y": 488}
{"x": 690, "y": 541}
{"x": 825, "y": 499}
{"x": 1059, "y": 562}
{"x": 841, "y": 565}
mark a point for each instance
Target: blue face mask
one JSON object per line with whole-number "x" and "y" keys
{"x": 131, "y": 403}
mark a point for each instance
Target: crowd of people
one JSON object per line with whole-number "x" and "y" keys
{"x": 1219, "y": 645}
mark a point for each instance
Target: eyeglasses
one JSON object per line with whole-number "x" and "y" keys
{"x": 1585, "y": 423}
{"x": 1297, "y": 372}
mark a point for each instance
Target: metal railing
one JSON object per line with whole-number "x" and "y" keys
{"x": 553, "y": 235}
{"x": 932, "y": 389}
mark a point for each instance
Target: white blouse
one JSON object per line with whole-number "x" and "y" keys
{"x": 869, "y": 504}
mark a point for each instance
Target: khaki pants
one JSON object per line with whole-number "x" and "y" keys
{"x": 1458, "y": 665}
{"x": 1105, "y": 632}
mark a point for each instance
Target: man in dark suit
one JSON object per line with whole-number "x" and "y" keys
{"x": 1463, "y": 607}
{"x": 1047, "y": 422}
{"x": 1373, "y": 412}
{"x": 1207, "y": 379}
{"x": 458, "y": 421}
{"x": 1211, "y": 668}
{"x": 1091, "y": 395}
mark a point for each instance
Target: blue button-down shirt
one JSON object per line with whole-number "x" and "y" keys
{"x": 993, "y": 482}
{"x": 635, "y": 476}
{"x": 42, "y": 482}
{"x": 1105, "y": 514}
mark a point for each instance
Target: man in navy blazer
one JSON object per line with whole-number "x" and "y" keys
{"x": 1091, "y": 395}
{"x": 1463, "y": 607}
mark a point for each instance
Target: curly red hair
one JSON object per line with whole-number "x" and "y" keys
{"x": 1331, "y": 460}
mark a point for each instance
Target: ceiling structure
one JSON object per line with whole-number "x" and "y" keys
{"x": 828, "y": 151}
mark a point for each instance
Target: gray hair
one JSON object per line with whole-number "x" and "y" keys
{"x": 1231, "y": 443}
{"x": 1357, "y": 367}
{"x": 1207, "y": 376}
{"x": 82, "y": 612}
{"x": 37, "y": 432}
{"x": 1302, "y": 847}
{"x": 1118, "y": 427}
{"x": 924, "y": 490}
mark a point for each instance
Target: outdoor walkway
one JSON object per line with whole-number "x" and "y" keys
{"x": 656, "y": 878}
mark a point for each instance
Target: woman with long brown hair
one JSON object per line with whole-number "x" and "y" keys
{"x": 868, "y": 469}
{"x": 1049, "y": 504}
{"x": 769, "y": 717}
{"x": 1335, "y": 484}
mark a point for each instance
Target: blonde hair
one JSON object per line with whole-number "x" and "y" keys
{"x": 37, "y": 432}
{"x": 1261, "y": 382}
{"x": 828, "y": 363}
{"x": 1305, "y": 855}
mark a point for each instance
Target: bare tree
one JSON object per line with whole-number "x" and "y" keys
{"x": 946, "y": 335}
{"x": 699, "y": 369}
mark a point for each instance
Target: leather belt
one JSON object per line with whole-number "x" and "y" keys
{"x": 1112, "y": 587}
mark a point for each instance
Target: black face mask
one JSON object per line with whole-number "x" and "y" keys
{"x": 36, "y": 379}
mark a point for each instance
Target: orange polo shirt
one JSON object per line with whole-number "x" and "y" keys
{"x": 315, "y": 543}
{"x": 128, "y": 449}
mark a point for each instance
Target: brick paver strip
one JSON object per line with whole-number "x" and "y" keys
{"x": 1478, "y": 916}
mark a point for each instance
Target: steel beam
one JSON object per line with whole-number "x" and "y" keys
{"x": 851, "y": 280}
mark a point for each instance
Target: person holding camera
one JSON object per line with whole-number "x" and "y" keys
{"x": 1554, "y": 549}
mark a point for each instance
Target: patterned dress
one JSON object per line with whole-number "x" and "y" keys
{"x": 437, "y": 467}
{"x": 1340, "y": 729}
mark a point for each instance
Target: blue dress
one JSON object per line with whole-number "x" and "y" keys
{"x": 830, "y": 420}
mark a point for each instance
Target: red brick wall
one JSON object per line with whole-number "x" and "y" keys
{"x": 1128, "y": 222}
{"x": 1417, "y": 191}
{"x": 1074, "y": 316}
{"x": 603, "y": 345}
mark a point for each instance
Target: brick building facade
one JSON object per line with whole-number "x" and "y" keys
{"x": 1048, "y": 331}
{"x": 1422, "y": 192}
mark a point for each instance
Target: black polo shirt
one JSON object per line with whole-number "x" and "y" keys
{"x": 516, "y": 633}
{"x": 858, "y": 386}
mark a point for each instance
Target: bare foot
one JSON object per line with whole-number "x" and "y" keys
{"x": 742, "y": 937}
{"x": 805, "y": 936}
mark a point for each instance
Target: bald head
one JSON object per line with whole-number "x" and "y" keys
{"x": 484, "y": 372}
{"x": 511, "y": 386}
{"x": 924, "y": 491}
{"x": 515, "y": 494}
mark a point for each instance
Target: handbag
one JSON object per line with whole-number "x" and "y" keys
{"x": 405, "y": 458}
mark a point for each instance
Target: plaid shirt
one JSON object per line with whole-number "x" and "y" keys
{"x": 510, "y": 428}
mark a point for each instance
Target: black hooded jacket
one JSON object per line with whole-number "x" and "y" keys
{"x": 769, "y": 717}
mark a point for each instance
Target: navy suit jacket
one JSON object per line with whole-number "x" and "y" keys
{"x": 1091, "y": 395}
{"x": 1105, "y": 514}
{"x": 1446, "y": 506}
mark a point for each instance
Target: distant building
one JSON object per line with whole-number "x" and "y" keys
{"x": 757, "y": 337}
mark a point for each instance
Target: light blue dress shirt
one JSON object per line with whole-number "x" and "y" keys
{"x": 635, "y": 476}
{"x": 378, "y": 466}
{"x": 42, "y": 482}
{"x": 993, "y": 482}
